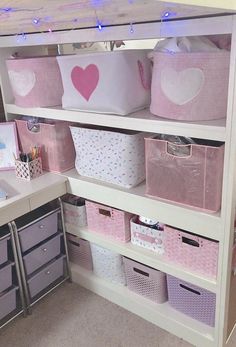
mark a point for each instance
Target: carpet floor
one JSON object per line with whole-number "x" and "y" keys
{"x": 72, "y": 316}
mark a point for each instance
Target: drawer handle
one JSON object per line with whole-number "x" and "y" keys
{"x": 44, "y": 250}
{"x": 48, "y": 272}
{"x": 41, "y": 226}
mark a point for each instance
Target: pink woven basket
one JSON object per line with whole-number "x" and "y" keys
{"x": 194, "y": 180}
{"x": 108, "y": 221}
{"x": 191, "y": 251}
{"x": 190, "y": 86}
{"x": 79, "y": 251}
{"x": 191, "y": 300}
{"x": 146, "y": 281}
{"x": 36, "y": 82}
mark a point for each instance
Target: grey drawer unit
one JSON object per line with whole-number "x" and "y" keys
{"x": 3, "y": 250}
{"x": 7, "y": 302}
{"x": 43, "y": 254}
{"x": 46, "y": 276}
{"x": 6, "y": 277}
{"x": 38, "y": 231}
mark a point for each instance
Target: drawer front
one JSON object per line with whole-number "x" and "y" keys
{"x": 38, "y": 231}
{"x": 46, "y": 276}
{"x": 3, "y": 251}
{"x": 42, "y": 255}
{"x": 6, "y": 277}
{"x": 7, "y": 303}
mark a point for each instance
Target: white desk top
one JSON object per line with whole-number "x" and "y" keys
{"x": 25, "y": 196}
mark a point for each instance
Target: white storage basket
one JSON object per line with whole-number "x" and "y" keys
{"x": 108, "y": 264}
{"x": 107, "y": 82}
{"x": 112, "y": 156}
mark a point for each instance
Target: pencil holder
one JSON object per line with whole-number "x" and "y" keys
{"x": 28, "y": 170}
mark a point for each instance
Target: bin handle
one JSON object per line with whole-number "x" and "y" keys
{"x": 176, "y": 156}
{"x": 190, "y": 289}
{"x": 190, "y": 242}
{"x": 143, "y": 273}
{"x": 74, "y": 243}
{"x": 104, "y": 212}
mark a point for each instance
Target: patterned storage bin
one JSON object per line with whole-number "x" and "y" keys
{"x": 108, "y": 221}
{"x": 194, "y": 179}
{"x": 191, "y": 251}
{"x": 108, "y": 264}
{"x": 190, "y": 86}
{"x": 28, "y": 170}
{"x": 193, "y": 301}
{"x": 107, "y": 82}
{"x": 79, "y": 251}
{"x": 146, "y": 237}
{"x": 112, "y": 156}
{"x": 35, "y": 82}
{"x": 146, "y": 281}
{"x": 57, "y": 148}
{"x": 75, "y": 215}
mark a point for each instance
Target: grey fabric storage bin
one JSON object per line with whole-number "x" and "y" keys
{"x": 42, "y": 255}
{"x": 6, "y": 277}
{"x": 39, "y": 231}
{"x": 7, "y": 302}
{"x": 3, "y": 250}
{"x": 46, "y": 276}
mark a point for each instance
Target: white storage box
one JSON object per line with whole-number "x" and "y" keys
{"x": 107, "y": 82}
{"x": 113, "y": 156}
{"x": 108, "y": 264}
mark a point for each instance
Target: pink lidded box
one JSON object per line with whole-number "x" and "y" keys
{"x": 54, "y": 138}
{"x": 190, "y": 85}
{"x": 108, "y": 221}
{"x": 36, "y": 81}
{"x": 193, "y": 252}
{"x": 192, "y": 300}
{"x": 193, "y": 178}
{"x": 146, "y": 237}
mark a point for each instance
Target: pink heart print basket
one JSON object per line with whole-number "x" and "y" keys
{"x": 109, "y": 82}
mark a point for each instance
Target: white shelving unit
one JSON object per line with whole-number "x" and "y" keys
{"x": 219, "y": 227}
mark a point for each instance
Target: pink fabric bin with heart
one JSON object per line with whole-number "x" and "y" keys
{"x": 35, "y": 82}
{"x": 190, "y": 86}
{"x": 116, "y": 82}
{"x": 193, "y": 179}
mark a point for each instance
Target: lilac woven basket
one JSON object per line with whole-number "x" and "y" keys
{"x": 146, "y": 281}
{"x": 191, "y": 300}
{"x": 79, "y": 251}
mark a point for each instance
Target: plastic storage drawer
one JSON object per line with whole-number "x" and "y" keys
{"x": 7, "y": 302}
{"x": 191, "y": 251}
{"x": 42, "y": 255}
{"x": 3, "y": 250}
{"x": 191, "y": 300}
{"x": 6, "y": 277}
{"x": 108, "y": 221}
{"x": 46, "y": 276}
{"x": 79, "y": 251}
{"x": 146, "y": 281}
{"x": 39, "y": 231}
{"x": 193, "y": 178}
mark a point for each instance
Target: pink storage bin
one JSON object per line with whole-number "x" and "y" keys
{"x": 108, "y": 221}
{"x": 57, "y": 148}
{"x": 194, "y": 179}
{"x": 146, "y": 281}
{"x": 191, "y": 300}
{"x": 36, "y": 81}
{"x": 193, "y": 252}
{"x": 146, "y": 237}
{"x": 190, "y": 86}
{"x": 79, "y": 251}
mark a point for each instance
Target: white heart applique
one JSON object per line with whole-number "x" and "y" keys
{"x": 183, "y": 86}
{"x": 22, "y": 82}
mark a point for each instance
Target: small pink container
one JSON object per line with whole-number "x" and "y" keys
{"x": 57, "y": 148}
{"x": 194, "y": 179}
{"x": 193, "y": 252}
{"x": 146, "y": 281}
{"x": 108, "y": 221}
{"x": 35, "y": 82}
{"x": 79, "y": 251}
{"x": 190, "y": 86}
